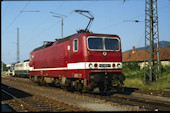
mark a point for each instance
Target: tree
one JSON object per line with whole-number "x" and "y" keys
{"x": 167, "y": 46}
{"x": 4, "y": 67}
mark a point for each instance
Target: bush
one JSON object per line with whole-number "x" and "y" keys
{"x": 132, "y": 65}
{"x": 132, "y": 70}
{"x": 135, "y": 76}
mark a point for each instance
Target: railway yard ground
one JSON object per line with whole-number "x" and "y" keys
{"x": 22, "y": 95}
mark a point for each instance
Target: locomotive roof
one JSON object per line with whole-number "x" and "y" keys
{"x": 43, "y": 46}
{"x": 51, "y": 43}
{"x": 64, "y": 39}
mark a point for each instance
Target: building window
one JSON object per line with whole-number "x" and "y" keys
{"x": 75, "y": 45}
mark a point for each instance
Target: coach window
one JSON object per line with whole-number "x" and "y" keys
{"x": 75, "y": 45}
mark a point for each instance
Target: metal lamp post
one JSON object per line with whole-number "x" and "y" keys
{"x": 61, "y": 16}
{"x": 61, "y": 24}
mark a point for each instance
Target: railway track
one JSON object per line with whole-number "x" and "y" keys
{"x": 36, "y": 103}
{"x": 143, "y": 102}
{"x": 20, "y": 102}
{"x": 147, "y": 91}
{"x": 130, "y": 97}
{"x": 127, "y": 90}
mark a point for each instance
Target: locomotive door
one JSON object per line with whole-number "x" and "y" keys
{"x": 72, "y": 57}
{"x": 67, "y": 58}
{"x": 67, "y": 54}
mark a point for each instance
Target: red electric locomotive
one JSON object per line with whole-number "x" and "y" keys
{"x": 80, "y": 61}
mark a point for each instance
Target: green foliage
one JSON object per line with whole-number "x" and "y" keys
{"x": 135, "y": 76}
{"x": 165, "y": 70}
{"x": 168, "y": 46}
{"x": 132, "y": 65}
{"x": 165, "y": 74}
{"x": 4, "y": 66}
{"x": 132, "y": 70}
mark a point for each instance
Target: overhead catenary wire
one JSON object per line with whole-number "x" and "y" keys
{"x": 113, "y": 25}
{"x": 129, "y": 19}
{"x": 51, "y": 26}
{"x": 40, "y": 33}
{"x": 121, "y": 22}
{"x": 47, "y": 29}
{"x": 5, "y": 10}
{"x": 15, "y": 18}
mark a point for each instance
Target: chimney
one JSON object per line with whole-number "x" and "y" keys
{"x": 133, "y": 49}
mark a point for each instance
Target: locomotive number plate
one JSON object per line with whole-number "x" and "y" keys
{"x": 104, "y": 65}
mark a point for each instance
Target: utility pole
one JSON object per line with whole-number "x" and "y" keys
{"x": 2, "y": 67}
{"x": 61, "y": 16}
{"x": 61, "y": 24}
{"x": 152, "y": 58}
{"x": 18, "y": 45}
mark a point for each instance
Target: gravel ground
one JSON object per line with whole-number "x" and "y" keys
{"x": 81, "y": 101}
{"x": 7, "y": 100}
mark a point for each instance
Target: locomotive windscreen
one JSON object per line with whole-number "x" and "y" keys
{"x": 95, "y": 43}
{"x": 111, "y": 44}
{"x": 103, "y": 43}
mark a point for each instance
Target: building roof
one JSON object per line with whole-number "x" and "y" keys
{"x": 139, "y": 55}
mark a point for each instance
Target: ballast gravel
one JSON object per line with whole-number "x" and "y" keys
{"x": 71, "y": 98}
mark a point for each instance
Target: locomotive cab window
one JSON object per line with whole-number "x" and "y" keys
{"x": 75, "y": 45}
{"x": 103, "y": 43}
{"x": 111, "y": 44}
{"x": 95, "y": 43}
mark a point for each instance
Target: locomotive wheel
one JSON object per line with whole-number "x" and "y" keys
{"x": 57, "y": 82}
{"x": 68, "y": 85}
{"x": 31, "y": 78}
{"x": 39, "y": 83}
{"x": 42, "y": 81}
{"x": 120, "y": 88}
{"x": 90, "y": 89}
{"x": 102, "y": 88}
{"x": 80, "y": 87}
{"x": 92, "y": 85}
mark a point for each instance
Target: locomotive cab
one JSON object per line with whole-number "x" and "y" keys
{"x": 104, "y": 62}
{"x": 97, "y": 59}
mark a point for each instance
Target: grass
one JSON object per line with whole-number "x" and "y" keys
{"x": 3, "y": 73}
{"x": 135, "y": 78}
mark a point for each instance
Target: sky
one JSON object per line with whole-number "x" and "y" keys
{"x": 36, "y": 24}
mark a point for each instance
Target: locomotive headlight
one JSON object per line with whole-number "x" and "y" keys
{"x": 90, "y": 65}
{"x": 118, "y": 65}
{"x": 95, "y": 65}
{"x": 113, "y": 65}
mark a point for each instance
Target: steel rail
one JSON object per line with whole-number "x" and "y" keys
{"x": 142, "y": 98}
{"x": 118, "y": 99}
{"x": 136, "y": 90}
{"x": 20, "y": 101}
{"x": 139, "y": 104}
{"x": 147, "y": 91}
{"x": 153, "y": 92}
{"x": 49, "y": 100}
{"x": 132, "y": 102}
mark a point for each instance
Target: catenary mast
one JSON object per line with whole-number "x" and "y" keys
{"x": 152, "y": 48}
